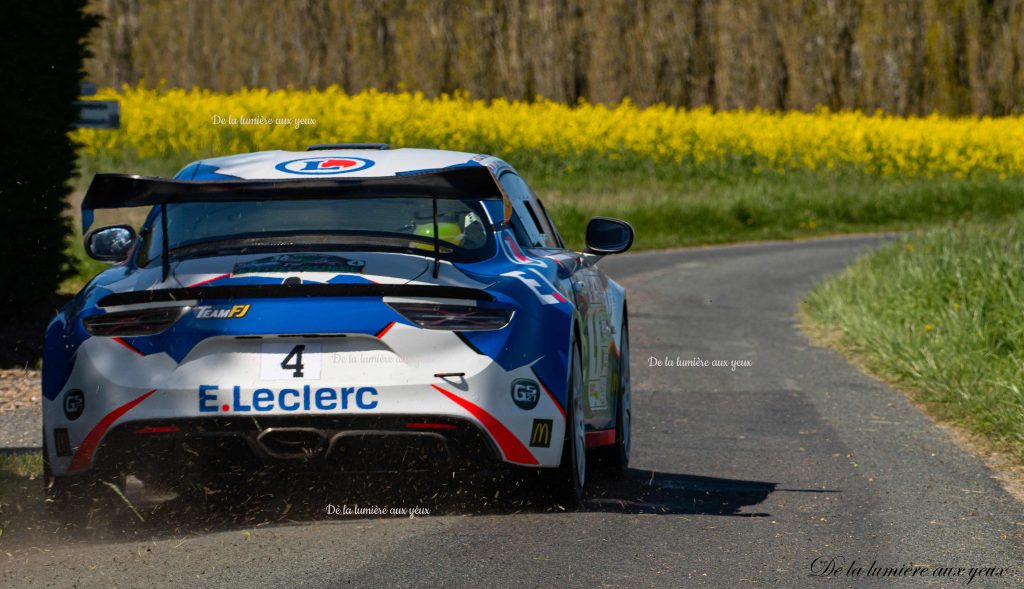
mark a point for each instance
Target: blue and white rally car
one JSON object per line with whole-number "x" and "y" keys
{"x": 350, "y": 308}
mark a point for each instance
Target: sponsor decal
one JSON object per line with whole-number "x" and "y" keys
{"x": 324, "y": 166}
{"x": 221, "y": 311}
{"x": 74, "y": 404}
{"x": 239, "y": 400}
{"x": 540, "y": 436}
{"x": 525, "y": 393}
{"x": 595, "y": 395}
{"x": 300, "y": 263}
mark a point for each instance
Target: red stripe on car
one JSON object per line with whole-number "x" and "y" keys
{"x": 83, "y": 456}
{"x": 128, "y": 345}
{"x": 386, "y": 329}
{"x": 162, "y": 429}
{"x": 516, "y": 252}
{"x": 511, "y": 447}
{"x": 208, "y": 280}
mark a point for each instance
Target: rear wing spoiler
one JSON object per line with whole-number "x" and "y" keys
{"x": 114, "y": 191}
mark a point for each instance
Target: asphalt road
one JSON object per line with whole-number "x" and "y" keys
{"x": 741, "y": 478}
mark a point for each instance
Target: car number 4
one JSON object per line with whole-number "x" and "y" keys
{"x": 289, "y": 361}
{"x": 296, "y": 364}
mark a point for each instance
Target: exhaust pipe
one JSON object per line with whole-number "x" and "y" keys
{"x": 292, "y": 443}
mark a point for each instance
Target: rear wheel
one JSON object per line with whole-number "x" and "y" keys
{"x": 54, "y": 492}
{"x": 58, "y": 492}
{"x": 571, "y": 476}
{"x": 615, "y": 458}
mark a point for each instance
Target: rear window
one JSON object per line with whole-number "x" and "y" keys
{"x": 401, "y": 224}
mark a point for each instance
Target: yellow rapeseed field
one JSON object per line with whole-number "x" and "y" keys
{"x": 198, "y": 123}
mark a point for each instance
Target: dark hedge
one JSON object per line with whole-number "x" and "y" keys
{"x": 43, "y": 48}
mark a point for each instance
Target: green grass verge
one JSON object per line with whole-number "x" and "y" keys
{"x": 672, "y": 206}
{"x": 19, "y": 478}
{"x": 939, "y": 314}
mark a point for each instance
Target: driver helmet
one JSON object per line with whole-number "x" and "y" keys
{"x": 447, "y": 232}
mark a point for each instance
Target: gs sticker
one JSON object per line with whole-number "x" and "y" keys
{"x": 525, "y": 394}
{"x": 74, "y": 404}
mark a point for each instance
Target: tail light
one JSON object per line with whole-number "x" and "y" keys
{"x": 453, "y": 317}
{"x": 158, "y": 429}
{"x": 135, "y": 322}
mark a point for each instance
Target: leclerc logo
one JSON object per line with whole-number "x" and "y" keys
{"x": 324, "y": 166}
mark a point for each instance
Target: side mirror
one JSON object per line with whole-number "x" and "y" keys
{"x": 608, "y": 236}
{"x": 110, "y": 244}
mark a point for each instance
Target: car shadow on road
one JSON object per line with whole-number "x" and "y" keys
{"x": 652, "y": 492}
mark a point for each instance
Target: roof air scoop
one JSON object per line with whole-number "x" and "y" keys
{"x": 322, "y": 146}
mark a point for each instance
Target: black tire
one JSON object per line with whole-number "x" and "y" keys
{"x": 58, "y": 492}
{"x": 569, "y": 480}
{"x": 53, "y": 491}
{"x": 614, "y": 459}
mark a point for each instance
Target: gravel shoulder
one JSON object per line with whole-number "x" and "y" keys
{"x": 19, "y": 408}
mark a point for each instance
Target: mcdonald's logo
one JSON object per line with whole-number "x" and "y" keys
{"x": 541, "y": 435}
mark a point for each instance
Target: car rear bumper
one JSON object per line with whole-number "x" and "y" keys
{"x": 196, "y": 447}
